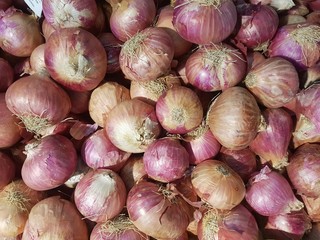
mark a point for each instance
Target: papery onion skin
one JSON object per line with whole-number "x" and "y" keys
{"x": 47, "y": 29}
{"x": 271, "y": 144}
{"x": 37, "y": 63}
{"x": 204, "y": 22}
{"x": 20, "y": 32}
{"x": 147, "y": 55}
{"x": 304, "y": 170}
{"x": 7, "y": 170}
{"x": 55, "y": 217}
{"x": 312, "y": 206}
{"x": 132, "y": 125}
{"x": 69, "y": 13}
{"x": 7, "y": 75}
{"x": 234, "y": 118}
{"x": 215, "y": 67}
{"x": 157, "y": 211}
{"x": 99, "y": 152}
{"x": 75, "y": 58}
{"x": 130, "y": 17}
{"x": 38, "y": 102}
{"x": 270, "y": 194}
{"x": 278, "y": 5}
{"x": 16, "y": 199}
{"x": 179, "y": 110}
{"x": 217, "y": 184}
{"x": 100, "y": 195}
{"x": 274, "y": 82}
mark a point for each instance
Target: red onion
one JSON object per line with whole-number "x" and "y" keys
{"x": 47, "y": 29}
{"x": 101, "y": 22}
{"x": 312, "y": 205}
{"x": 10, "y": 132}
{"x": 82, "y": 169}
{"x": 132, "y": 125}
{"x": 276, "y": 4}
{"x": 37, "y": 63}
{"x": 304, "y": 170}
{"x": 166, "y": 153}
{"x": 313, "y": 17}
{"x": 99, "y": 152}
{"x": 55, "y": 217}
{"x": 314, "y": 5}
{"x": 204, "y": 22}
{"x": 215, "y": 67}
{"x": 19, "y": 32}
{"x": 179, "y": 110}
{"x": 237, "y": 223}
{"x": 38, "y": 102}
{"x": 241, "y": 161}
{"x": 16, "y": 201}
{"x": 70, "y": 13}
{"x": 5, "y": 4}
{"x": 270, "y": 194}
{"x": 234, "y": 118}
{"x": 200, "y": 144}
{"x": 259, "y": 24}
{"x": 147, "y": 55}
{"x": 7, "y": 75}
{"x": 75, "y": 58}
{"x": 100, "y": 195}
{"x": 157, "y": 211}
{"x": 7, "y": 170}
{"x": 129, "y": 17}
{"x": 79, "y": 101}
{"x": 274, "y": 82}
{"x": 216, "y": 183}
{"x": 298, "y": 43}
{"x": 271, "y": 144}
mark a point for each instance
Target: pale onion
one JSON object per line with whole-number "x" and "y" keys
{"x": 47, "y": 29}
{"x": 37, "y": 63}
{"x": 7, "y": 170}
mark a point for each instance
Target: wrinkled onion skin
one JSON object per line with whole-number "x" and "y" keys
{"x": 234, "y": 118}
{"x": 204, "y": 24}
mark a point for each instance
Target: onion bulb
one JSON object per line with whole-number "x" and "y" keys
{"x": 7, "y": 170}
{"x": 7, "y": 74}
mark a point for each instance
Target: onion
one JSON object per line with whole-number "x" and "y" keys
{"x": 304, "y": 170}
{"x": 5, "y": 4}
{"x": 279, "y": 5}
{"x": 200, "y": 144}
{"x": 132, "y": 125}
{"x": 312, "y": 205}
{"x": 99, "y": 152}
{"x": 7, "y": 170}
{"x": 274, "y": 82}
{"x": 129, "y": 17}
{"x": 7, "y": 75}
{"x": 47, "y": 29}
{"x": 204, "y": 22}
{"x": 237, "y": 223}
{"x": 70, "y": 13}
{"x": 241, "y": 161}
{"x": 147, "y": 55}
{"x": 313, "y": 17}
{"x": 19, "y": 32}
{"x": 215, "y": 67}
{"x": 79, "y": 101}
{"x": 234, "y": 118}
{"x": 16, "y": 201}
{"x": 165, "y": 17}
{"x": 100, "y": 195}
{"x": 55, "y": 217}
{"x": 270, "y": 194}
{"x": 104, "y": 98}
{"x": 311, "y": 75}
{"x": 271, "y": 144}
{"x": 10, "y": 132}
{"x": 166, "y": 153}
{"x": 81, "y": 170}
{"x": 75, "y": 58}
{"x": 291, "y": 19}
{"x": 120, "y": 227}
{"x": 314, "y": 5}
{"x": 298, "y": 43}
{"x": 157, "y": 211}
{"x": 37, "y": 63}
{"x": 259, "y": 24}
{"x": 313, "y": 233}
{"x": 179, "y": 110}
{"x": 216, "y": 183}
{"x": 101, "y": 22}
{"x": 38, "y": 102}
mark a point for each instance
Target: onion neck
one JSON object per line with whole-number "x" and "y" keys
{"x": 306, "y": 35}
{"x": 131, "y": 47}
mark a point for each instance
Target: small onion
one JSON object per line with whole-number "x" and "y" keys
{"x": 75, "y": 58}
{"x": 270, "y": 194}
{"x": 274, "y": 82}
{"x": 169, "y": 154}
{"x": 215, "y": 67}
{"x": 234, "y": 118}
{"x": 203, "y": 21}
{"x": 7, "y": 75}
{"x": 37, "y": 63}
{"x": 157, "y": 211}
{"x": 132, "y": 125}
{"x": 54, "y": 218}
{"x": 147, "y": 55}
{"x": 7, "y": 170}
{"x": 216, "y": 183}
{"x": 99, "y": 152}
{"x": 179, "y": 110}
{"x": 100, "y": 195}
